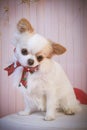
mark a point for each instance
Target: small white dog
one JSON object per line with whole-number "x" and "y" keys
{"x": 45, "y": 86}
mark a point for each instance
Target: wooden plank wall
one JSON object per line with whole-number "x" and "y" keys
{"x": 63, "y": 21}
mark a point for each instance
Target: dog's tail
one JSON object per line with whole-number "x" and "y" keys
{"x": 24, "y": 25}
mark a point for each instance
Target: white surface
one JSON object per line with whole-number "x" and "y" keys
{"x": 36, "y": 122}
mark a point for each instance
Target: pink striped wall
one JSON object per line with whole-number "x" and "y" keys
{"x": 64, "y": 21}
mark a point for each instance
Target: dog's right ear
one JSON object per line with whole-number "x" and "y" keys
{"x": 24, "y": 25}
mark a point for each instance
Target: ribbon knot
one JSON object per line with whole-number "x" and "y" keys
{"x": 11, "y": 68}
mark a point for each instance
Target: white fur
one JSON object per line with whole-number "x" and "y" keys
{"x": 48, "y": 89}
{"x": 36, "y": 40}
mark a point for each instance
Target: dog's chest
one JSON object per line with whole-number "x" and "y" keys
{"x": 36, "y": 84}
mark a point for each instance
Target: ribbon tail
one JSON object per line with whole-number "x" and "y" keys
{"x": 10, "y": 69}
{"x": 23, "y": 80}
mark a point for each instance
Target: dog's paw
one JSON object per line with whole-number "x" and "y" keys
{"x": 23, "y": 113}
{"x": 49, "y": 118}
{"x": 69, "y": 112}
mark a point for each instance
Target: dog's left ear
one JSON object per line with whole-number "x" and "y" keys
{"x": 57, "y": 49}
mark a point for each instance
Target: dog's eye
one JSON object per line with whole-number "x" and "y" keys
{"x": 24, "y": 51}
{"x": 40, "y": 58}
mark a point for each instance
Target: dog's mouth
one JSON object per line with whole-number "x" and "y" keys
{"x": 30, "y": 69}
{"x": 33, "y": 69}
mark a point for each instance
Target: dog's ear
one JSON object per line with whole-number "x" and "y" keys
{"x": 57, "y": 49}
{"x": 24, "y": 25}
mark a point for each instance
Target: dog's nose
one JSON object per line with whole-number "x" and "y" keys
{"x": 30, "y": 61}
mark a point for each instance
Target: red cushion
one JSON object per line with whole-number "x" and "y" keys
{"x": 81, "y": 95}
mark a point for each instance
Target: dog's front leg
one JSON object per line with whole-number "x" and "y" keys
{"x": 31, "y": 105}
{"x": 27, "y": 109}
{"x": 51, "y": 106}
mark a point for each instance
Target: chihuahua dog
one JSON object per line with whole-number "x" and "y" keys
{"x": 43, "y": 82}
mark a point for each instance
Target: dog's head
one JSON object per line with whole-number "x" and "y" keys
{"x": 31, "y": 48}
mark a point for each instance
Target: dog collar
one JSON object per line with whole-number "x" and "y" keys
{"x": 11, "y": 68}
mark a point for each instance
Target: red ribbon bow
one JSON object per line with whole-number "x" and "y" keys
{"x": 11, "y": 68}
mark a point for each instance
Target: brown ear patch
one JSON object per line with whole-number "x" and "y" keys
{"x": 24, "y": 25}
{"x": 58, "y": 49}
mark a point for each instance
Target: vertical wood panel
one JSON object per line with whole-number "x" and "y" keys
{"x": 26, "y": 10}
{"x": 84, "y": 72}
{"x": 40, "y": 17}
{"x": 12, "y": 92}
{"x": 0, "y": 53}
{"x": 77, "y": 43}
{"x": 4, "y": 50}
{"x": 62, "y": 30}
{"x": 69, "y": 39}
{"x": 33, "y": 14}
{"x": 63, "y": 21}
